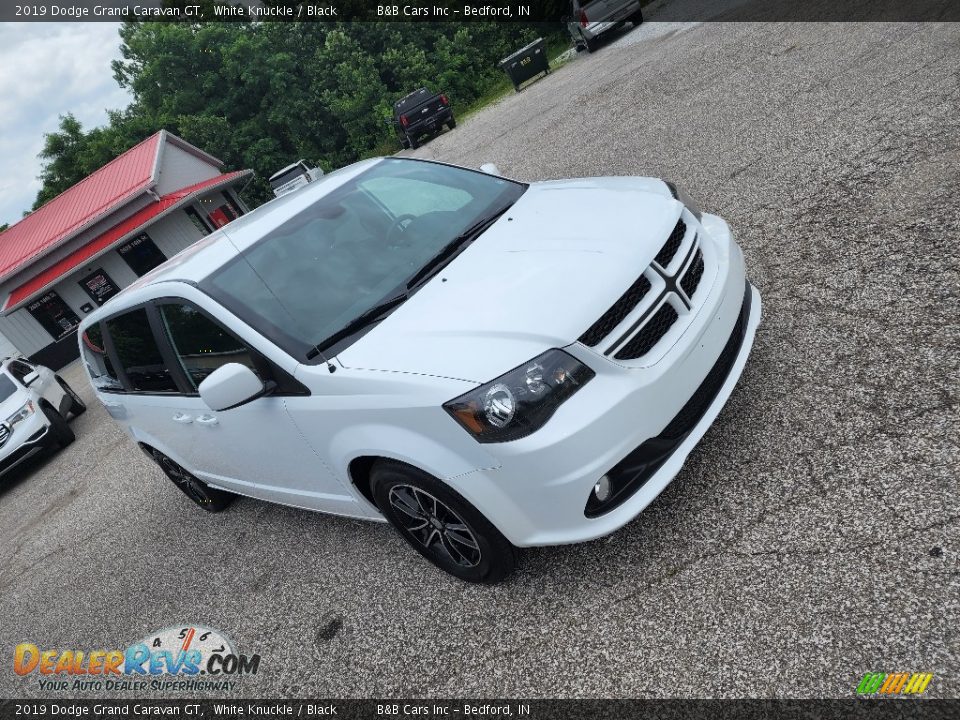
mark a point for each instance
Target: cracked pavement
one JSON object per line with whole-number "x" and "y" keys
{"x": 811, "y": 537}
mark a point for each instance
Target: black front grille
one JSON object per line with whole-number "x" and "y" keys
{"x": 691, "y": 280}
{"x": 649, "y": 334}
{"x": 617, "y": 312}
{"x": 672, "y": 244}
{"x": 632, "y": 473}
{"x": 4, "y": 434}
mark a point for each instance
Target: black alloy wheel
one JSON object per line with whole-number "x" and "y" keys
{"x": 440, "y": 524}
{"x": 210, "y": 499}
{"x": 431, "y": 522}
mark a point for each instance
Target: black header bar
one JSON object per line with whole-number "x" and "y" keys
{"x": 533, "y": 11}
{"x": 853, "y": 709}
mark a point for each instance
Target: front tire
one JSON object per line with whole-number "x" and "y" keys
{"x": 636, "y": 18}
{"x": 62, "y": 432}
{"x": 204, "y": 496}
{"x": 440, "y": 524}
{"x": 77, "y": 406}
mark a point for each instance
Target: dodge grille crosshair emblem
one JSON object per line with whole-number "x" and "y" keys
{"x": 672, "y": 281}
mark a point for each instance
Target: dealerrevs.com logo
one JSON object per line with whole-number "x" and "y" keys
{"x": 185, "y": 657}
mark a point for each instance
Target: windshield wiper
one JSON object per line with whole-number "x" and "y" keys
{"x": 369, "y": 317}
{"x": 433, "y": 266}
{"x": 448, "y": 251}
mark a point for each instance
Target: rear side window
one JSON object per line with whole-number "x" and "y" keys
{"x": 138, "y": 353}
{"x": 102, "y": 374}
{"x": 202, "y": 345}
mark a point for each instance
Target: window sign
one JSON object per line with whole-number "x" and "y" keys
{"x": 53, "y": 314}
{"x": 99, "y": 286}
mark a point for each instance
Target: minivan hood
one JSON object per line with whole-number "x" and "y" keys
{"x": 536, "y": 279}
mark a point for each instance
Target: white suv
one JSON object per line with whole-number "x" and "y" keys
{"x": 35, "y": 403}
{"x": 486, "y": 364}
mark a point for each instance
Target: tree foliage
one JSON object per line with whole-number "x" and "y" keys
{"x": 261, "y": 95}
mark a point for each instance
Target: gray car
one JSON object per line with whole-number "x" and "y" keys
{"x": 592, "y": 18}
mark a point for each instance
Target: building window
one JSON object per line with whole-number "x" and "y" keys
{"x": 198, "y": 222}
{"x": 138, "y": 353}
{"x": 99, "y": 286}
{"x": 142, "y": 254}
{"x": 234, "y": 205}
{"x": 225, "y": 213}
{"x": 54, "y": 315}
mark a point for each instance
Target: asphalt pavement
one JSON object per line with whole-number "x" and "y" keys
{"x": 812, "y": 536}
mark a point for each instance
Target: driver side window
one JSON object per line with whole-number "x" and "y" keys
{"x": 202, "y": 345}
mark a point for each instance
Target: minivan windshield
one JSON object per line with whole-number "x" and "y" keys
{"x": 318, "y": 276}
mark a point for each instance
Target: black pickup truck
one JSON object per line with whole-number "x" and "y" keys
{"x": 419, "y": 113}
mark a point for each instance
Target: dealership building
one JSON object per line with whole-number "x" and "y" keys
{"x": 80, "y": 249}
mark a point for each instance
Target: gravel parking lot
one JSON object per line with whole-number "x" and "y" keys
{"x": 812, "y": 536}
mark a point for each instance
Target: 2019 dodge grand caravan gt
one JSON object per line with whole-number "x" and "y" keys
{"x": 486, "y": 364}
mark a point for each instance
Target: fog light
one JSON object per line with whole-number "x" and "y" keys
{"x": 602, "y": 489}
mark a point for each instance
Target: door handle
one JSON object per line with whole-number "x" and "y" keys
{"x": 182, "y": 418}
{"x": 207, "y": 420}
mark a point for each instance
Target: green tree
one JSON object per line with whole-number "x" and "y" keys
{"x": 262, "y": 95}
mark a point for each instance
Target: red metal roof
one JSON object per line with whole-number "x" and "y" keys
{"x": 91, "y": 198}
{"x": 103, "y": 242}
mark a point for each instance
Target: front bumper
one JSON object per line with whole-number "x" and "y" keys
{"x": 642, "y": 422}
{"x": 29, "y": 438}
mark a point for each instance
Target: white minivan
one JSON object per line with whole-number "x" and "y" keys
{"x": 484, "y": 363}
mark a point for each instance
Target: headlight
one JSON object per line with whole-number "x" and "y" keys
{"x": 21, "y": 414}
{"x": 680, "y": 195}
{"x": 521, "y": 401}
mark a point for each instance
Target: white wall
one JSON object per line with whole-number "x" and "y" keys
{"x": 179, "y": 169}
{"x": 24, "y": 333}
{"x": 7, "y": 348}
